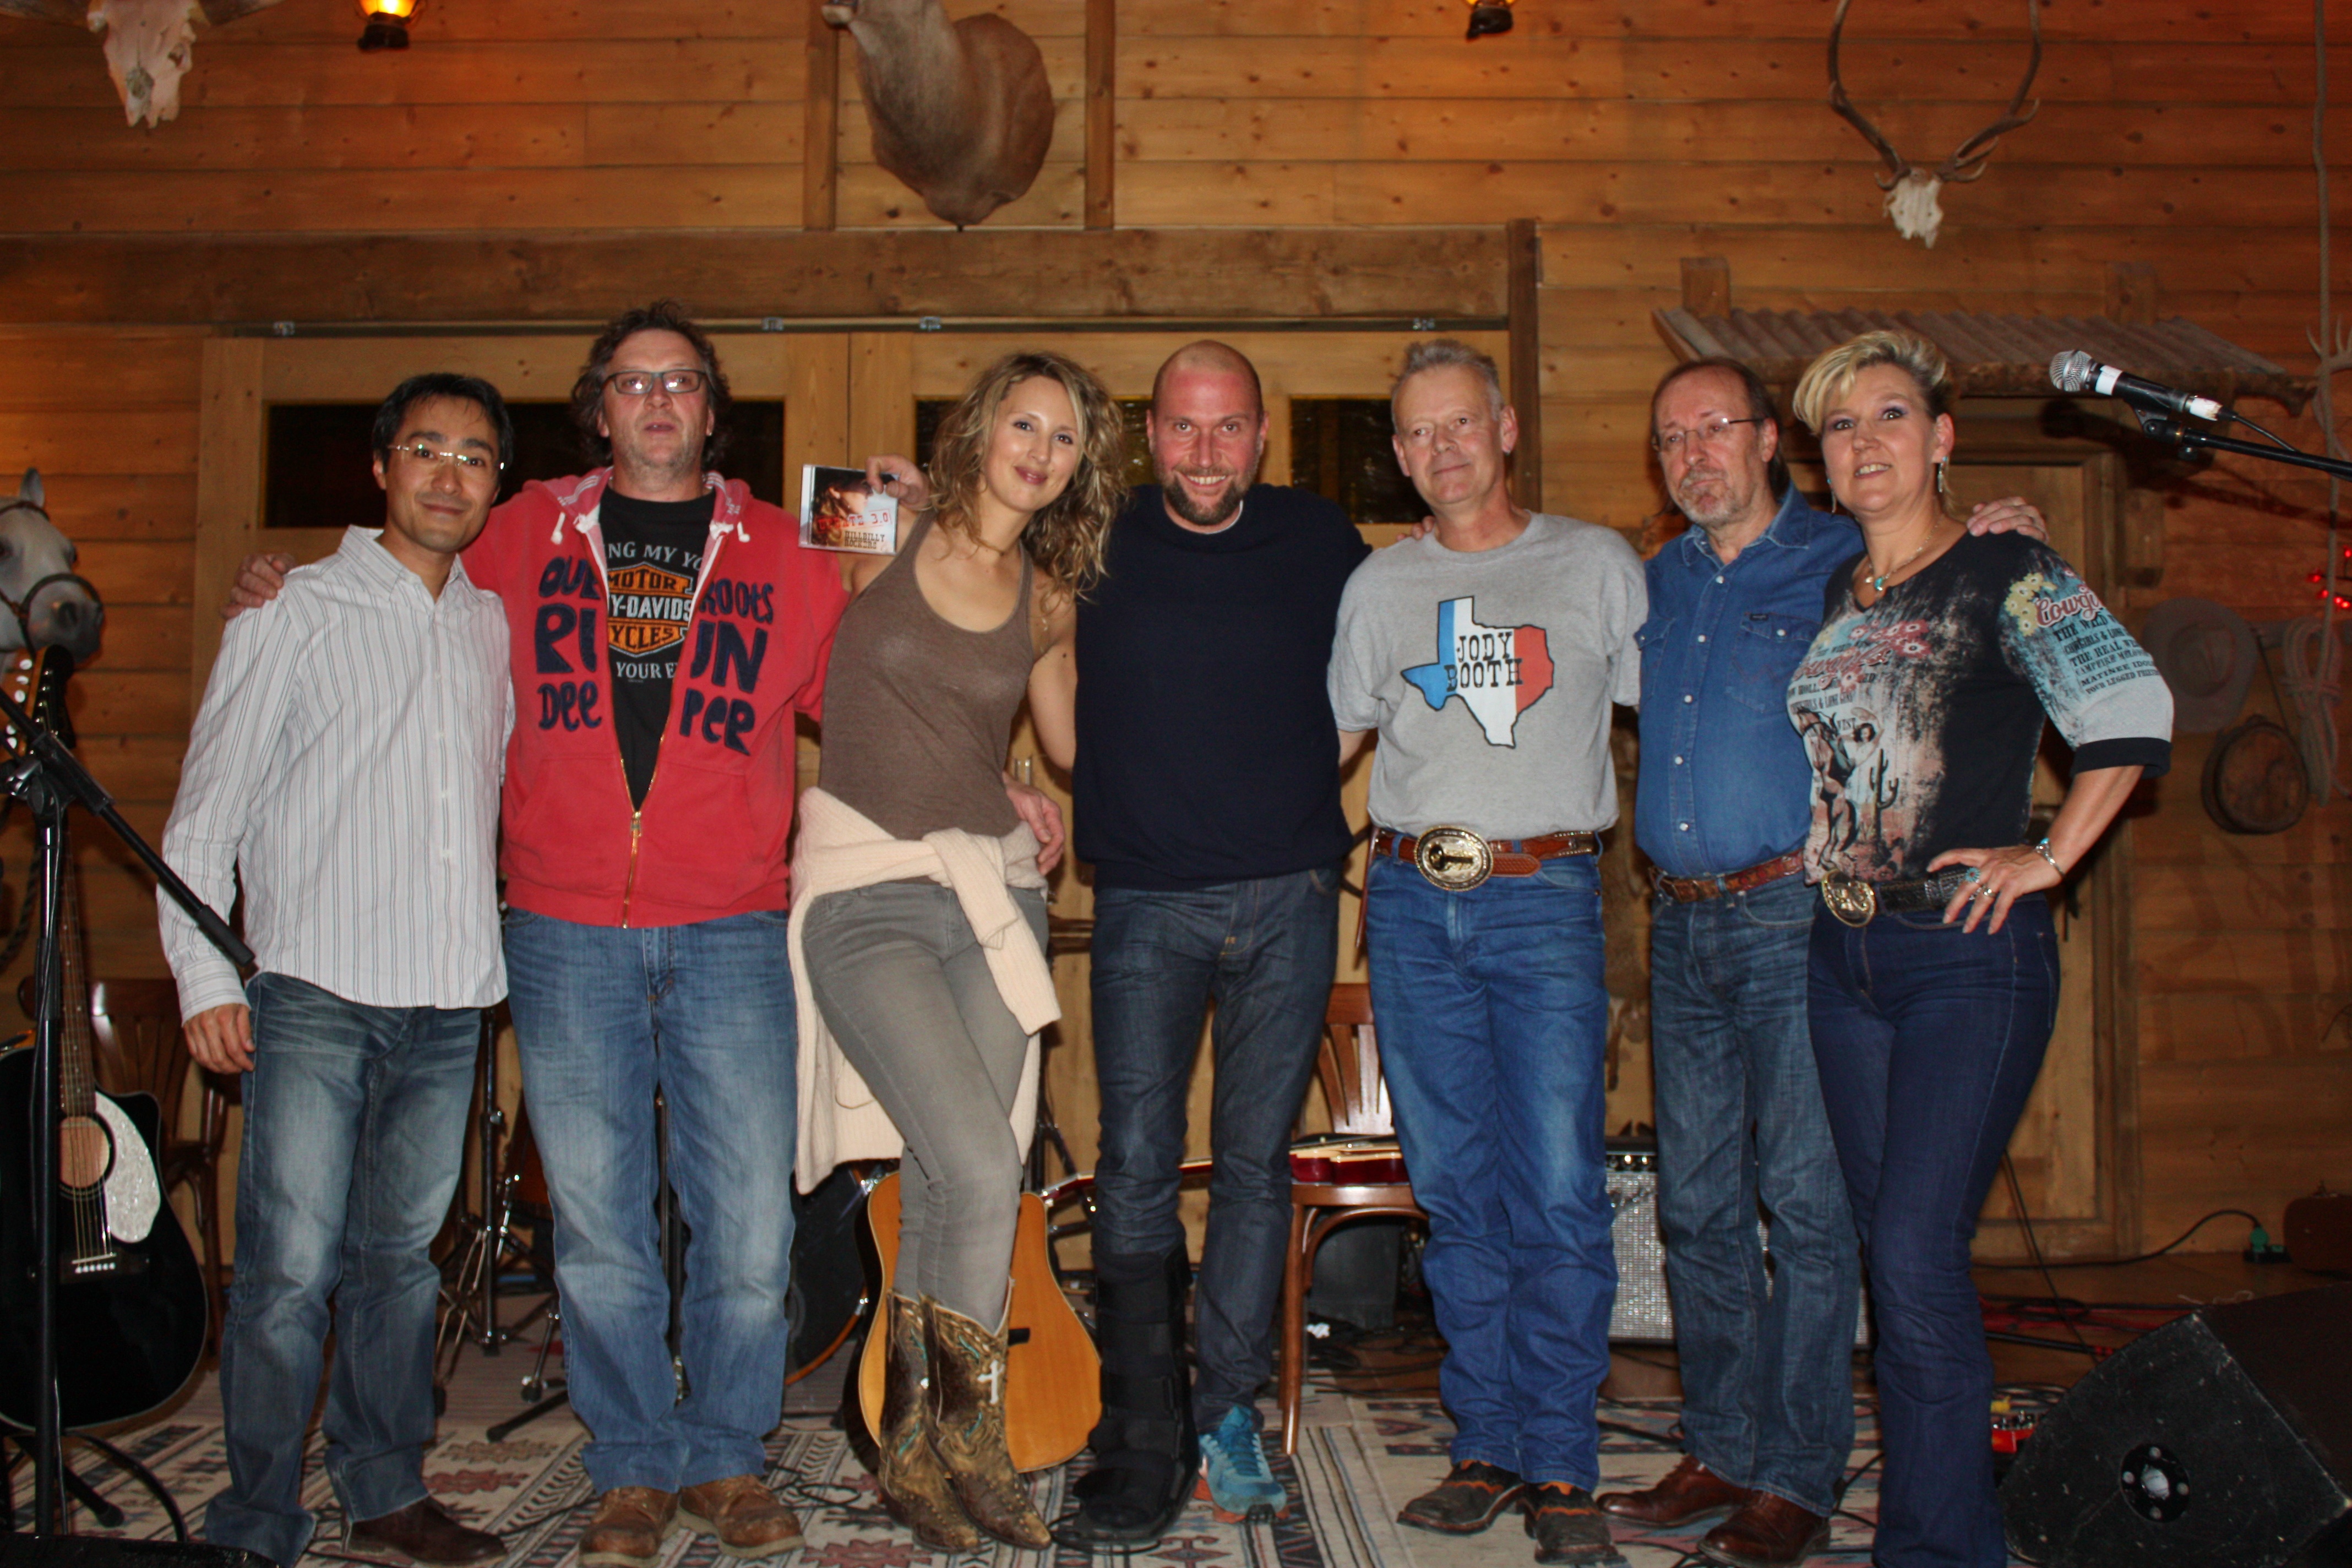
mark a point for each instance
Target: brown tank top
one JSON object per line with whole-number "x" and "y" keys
{"x": 917, "y": 710}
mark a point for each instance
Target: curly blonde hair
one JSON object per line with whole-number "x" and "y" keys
{"x": 1065, "y": 538}
{"x": 1829, "y": 378}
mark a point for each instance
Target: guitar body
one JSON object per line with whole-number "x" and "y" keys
{"x": 1053, "y": 1378}
{"x": 126, "y": 1341}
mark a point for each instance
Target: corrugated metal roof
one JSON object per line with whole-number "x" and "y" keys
{"x": 1992, "y": 355}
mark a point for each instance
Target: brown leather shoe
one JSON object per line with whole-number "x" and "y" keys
{"x": 1768, "y": 1532}
{"x": 425, "y": 1531}
{"x": 1690, "y": 1490}
{"x": 1470, "y": 1498}
{"x": 742, "y": 1513}
{"x": 628, "y": 1527}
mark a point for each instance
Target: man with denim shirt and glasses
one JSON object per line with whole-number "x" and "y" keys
{"x": 1721, "y": 810}
{"x": 346, "y": 761}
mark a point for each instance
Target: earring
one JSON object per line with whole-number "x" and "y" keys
{"x": 1943, "y": 480}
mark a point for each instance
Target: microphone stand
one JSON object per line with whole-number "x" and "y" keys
{"x": 49, "y": 779}
{"x": 2190, "y": 440}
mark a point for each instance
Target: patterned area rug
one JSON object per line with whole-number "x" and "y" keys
{"x": 1359, "y": 1459}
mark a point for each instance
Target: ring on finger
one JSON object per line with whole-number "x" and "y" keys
{"x": 1971, "y": 874}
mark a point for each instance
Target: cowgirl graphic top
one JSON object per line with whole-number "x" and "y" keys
{"x": 1921, "y": 714}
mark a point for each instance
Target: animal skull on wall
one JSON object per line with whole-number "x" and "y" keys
{"x": 1911, "y": 191}
{"x": 148, "y": 43}
{"x": 962, "y": 111}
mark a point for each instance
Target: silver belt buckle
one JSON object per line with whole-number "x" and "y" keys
{"x": 1850, "y": 899}
{"x": 1453, "y": 859}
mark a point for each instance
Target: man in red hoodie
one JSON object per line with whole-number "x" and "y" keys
{"x": 665, "y": 628}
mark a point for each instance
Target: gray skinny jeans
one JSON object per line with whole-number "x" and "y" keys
{"x": 905, "y": 987}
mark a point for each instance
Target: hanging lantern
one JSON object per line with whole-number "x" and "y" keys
{"x": 387, "y": 24}
{"x": 1490, "y": 16}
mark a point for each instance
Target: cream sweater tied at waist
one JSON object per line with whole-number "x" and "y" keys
{"x": 839, "y": 850}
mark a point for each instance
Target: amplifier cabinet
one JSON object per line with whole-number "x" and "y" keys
{"x": 1643, "y": 1314}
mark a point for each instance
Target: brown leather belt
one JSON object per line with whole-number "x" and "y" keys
{"x": 1691, "y": 889}
{"x": 1457, "y": 859}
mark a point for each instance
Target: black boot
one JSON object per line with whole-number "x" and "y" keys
{"x": 1146, "y": 1451}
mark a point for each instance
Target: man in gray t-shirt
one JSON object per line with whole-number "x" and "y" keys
{"x": 1487, "y": 656}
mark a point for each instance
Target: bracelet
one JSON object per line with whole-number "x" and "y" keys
{"x": 2042, "y": 849}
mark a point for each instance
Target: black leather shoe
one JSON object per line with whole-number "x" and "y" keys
{"x": 1567, "y": 1526}
{"x": 425, "y": 1532}
{"x": 1467, "y": 1500}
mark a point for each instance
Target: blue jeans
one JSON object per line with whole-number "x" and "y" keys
{"x": 1766, "y": 1360}
{"x": 1493, "y": 1019}
{"x": 380, "y": 1093}
{"x": 604, "y": 1016}
{"x": 1929, "y": 1040}
{"x": 1265, "y": 951}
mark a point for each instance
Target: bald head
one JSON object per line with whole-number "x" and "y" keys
{"x": 1209, "y": 357}
{"x": 1207, "y": 432}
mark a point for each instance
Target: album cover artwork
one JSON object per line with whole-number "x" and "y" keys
{"x": 838, "y": 511}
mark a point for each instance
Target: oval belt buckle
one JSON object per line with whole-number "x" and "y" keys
{"x": 1850, "y": 899}
{"x": 1453, "y": 859}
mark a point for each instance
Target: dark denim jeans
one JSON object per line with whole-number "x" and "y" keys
{"x": 1493, "y": 1019}
{"x": 1264, "y": 951}
{"x": 354, "y": 1127}
{"x": 604, "y": 1016}
{"x": 1929, "y": 1040}
{"x": 1767, "y": 1360}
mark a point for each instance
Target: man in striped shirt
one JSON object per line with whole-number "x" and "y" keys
{"x": 346, "y": 768}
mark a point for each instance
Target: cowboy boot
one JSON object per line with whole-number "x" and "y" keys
{"x": 1146, "y": 1453}
{"x": 914, "y": 1487}
{"x": 967, "y": 1429}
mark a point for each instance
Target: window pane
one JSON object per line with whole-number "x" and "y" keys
{"x": 1340, "y": 448}
{"x": 318, "y": 471}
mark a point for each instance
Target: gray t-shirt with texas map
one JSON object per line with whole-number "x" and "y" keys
{"x": 1489, "y": 678}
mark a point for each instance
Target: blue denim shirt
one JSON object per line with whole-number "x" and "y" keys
{"x": 1725, "y": 782}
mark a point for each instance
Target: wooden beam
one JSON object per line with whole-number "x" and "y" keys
{"x": 228, "y": 492}
{"x": 1524, "y": 250}
{"x": 821, "y": 123}
{"x": 1210, "y": 274}
{"x": 1706, "y": 285}
{"x": 1102, "y": 113}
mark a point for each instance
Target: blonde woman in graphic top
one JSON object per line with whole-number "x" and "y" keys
{"x": 919, "y": 905}
{"x": 1934, "y": 979}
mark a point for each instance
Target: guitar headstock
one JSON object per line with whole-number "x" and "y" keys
{"x": 38, "y": 683}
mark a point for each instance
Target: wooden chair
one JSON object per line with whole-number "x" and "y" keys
{"x": 140, "y": 1048}
{"x": 1324, "y": 1193}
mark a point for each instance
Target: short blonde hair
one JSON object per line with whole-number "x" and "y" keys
{"x": 1829, "y": 378}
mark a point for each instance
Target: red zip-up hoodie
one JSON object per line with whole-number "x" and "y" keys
{"x": 709, "y": 840}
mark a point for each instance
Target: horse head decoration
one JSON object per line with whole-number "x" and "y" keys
{"x": 962, "y": 111}
{"x": 148, "y": 42}
{"x": 48, "y": 603}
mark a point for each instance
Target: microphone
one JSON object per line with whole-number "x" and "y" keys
{"x": 2076, "y": 371}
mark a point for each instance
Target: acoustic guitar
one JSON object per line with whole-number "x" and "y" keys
{"x": 131, "y": 1309}
{"x": 1053, "y": 1379}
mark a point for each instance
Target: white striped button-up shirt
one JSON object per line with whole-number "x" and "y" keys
{"x": 346, "y": 763}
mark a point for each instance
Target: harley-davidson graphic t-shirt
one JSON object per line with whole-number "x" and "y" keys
{"x": 1922, "y": 713}
{"x": 653, "y": 550}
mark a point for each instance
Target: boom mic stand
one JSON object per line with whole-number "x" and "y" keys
{"x": 2190, "y": 440}
{"x": 49, "y": 779}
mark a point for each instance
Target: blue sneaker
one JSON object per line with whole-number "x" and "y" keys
{"x": 1235, "y": 1481}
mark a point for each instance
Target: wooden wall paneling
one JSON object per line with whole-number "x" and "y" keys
{"x": 817, "y": 406}
{"x": 228, "y": 491}
{"x": 820, "y": 110}
{"x": 1102, "y": 113}
{"x": 468, "y": 279}
{"x": 882, "y": 394}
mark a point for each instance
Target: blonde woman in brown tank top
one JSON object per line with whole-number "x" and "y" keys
{"x": 930, "y": 667}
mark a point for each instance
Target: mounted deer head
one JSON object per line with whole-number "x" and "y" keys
{"x": 1911, "y": 192}
{"x": 962, "y": 111}
{"x": 148, "y": 42}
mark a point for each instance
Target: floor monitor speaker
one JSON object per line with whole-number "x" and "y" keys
{"x": 2225, "y": 1437}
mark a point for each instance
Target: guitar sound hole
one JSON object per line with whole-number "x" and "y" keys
{"x": 84, "y": 1152}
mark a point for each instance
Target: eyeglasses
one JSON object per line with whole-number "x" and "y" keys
{"x": 1706, "y": 434}
{"x": 640, "y": 382}
{"x": 471, "y": 464}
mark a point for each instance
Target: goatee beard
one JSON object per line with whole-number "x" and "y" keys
{"x": 1180, "y": 502}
